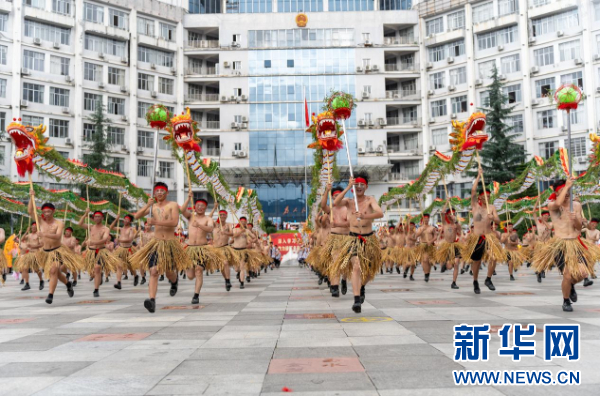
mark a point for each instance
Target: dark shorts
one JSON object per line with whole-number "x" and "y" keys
{"x": 153, "y": 261}
{"x": 457, "y": 252}
{"x": 479, "y": 250}
{"x": 354, "y": 249}
{"x": 560, "y": 260}
{"x": 58, "y": 255}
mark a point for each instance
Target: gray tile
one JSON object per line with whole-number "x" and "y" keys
{"x": 45, "y": 369}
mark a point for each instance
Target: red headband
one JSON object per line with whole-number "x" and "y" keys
{"x": 98, "y": 212}
{"x": 222, "y": 211}
{"x": 360, "y": 180}
{"x": 335, "y": 193}
{"x": 202, "y": 200}
{"x": 484, "y": 192}
{"x": 553, "y": 196}
{"x": 161, "y": 188}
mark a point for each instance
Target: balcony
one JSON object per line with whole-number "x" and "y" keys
{"x": 204, "y": 71}
{"x": 209, "y": 124}
{"x": 211, "y": 151}
{"x": 404, "y": 121}
{"x": 400, "y": 149}
{"x": 402, "y": 176}
{"x": 402, "y": 66}
{"x": 201, "y": 97}
{"x": 201, "y": 44}
{"x": 401, "y": 40}
{"x": 402, "y": 94}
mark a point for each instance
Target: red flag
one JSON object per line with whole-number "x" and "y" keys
{"x": 306, "y": 116}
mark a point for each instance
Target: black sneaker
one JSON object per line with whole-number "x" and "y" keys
{"x": 405, "y": 275}
{"x": 74, "y": 282}
{"x": 26, "y": 287}
{"x": 442, "y": 269}
{"x": 398, "y": 270}
{"x": 79, "y": 276}
{"x": 41, "y": 285}
{"x": 126, "y": 277}
{"x": 335, "y": 292}
{"x": 70, "y": 290}
{"x": 49, "y": 299}
{"x": 248, "y": 279}
{"x": 573, "y": 294}
{"x": 68, "y": 276}
{"x": 539, "y": 277}
{"x": 476, "y": 287}
{"x": 22, "y": 281}
{"x": 227, "y": 285}
{"x": 462, "y": 271}
{"x": 162, "y": 278}
{"x": 362, "y": 294}
{"x": 344, "y": 287}
{"x": 136, "y": 280}
{"x": 107, "y": 280}
{"x": 411, "y": 278}
{"x": 174, "y": 286}
{"x": 356, "y": 307}
{"x": 426, "y": 277}
{"x": 490, "y": 285}
{"x": 150, "y": 305}
{"x": 185, "y": 275}
{"x": 494, "y": 273}
{"x": 96, "y": 293}
{"x": 435, "y": 267}
{"x": 241, "y": 285}
{"x": 143, "y": 280}
{"x": 454, "y": 286}
{"x": 567, "y": 307}
{"x": 196, "y": 300}
{"x": 543, "y": 274}
{"x": 512, "y": 278}
{"x": 587, "y": 282}
{"x": 470, "y": 272}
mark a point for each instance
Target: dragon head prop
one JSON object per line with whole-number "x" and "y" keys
{"x": 469, "y": 134}
{"x": 326, "y": 132}
{"x": 27, "y": 140}
{"x": 182, "y": 130}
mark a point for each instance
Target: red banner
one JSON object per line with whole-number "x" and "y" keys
{"x": 286, "y": 242}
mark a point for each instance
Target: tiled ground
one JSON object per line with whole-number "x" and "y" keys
{"x": 282, "y": 331}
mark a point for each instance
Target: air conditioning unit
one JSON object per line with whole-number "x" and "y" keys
{"x": 68, "y": 142}
{"x": 358, "y": 69}
{"x": 242, "y": 154}
{"x": 535, "y": 102}
{"x": 375, "y": 68}
{"x": 226, "y": 65}
{"x": 451, "y": 88}
{"x": 429, "y": 66}
{"x": 478, "y": 82}
{"x": 598, "y": 89}
{"x": 244, "y": 125}
{"x": 68, "y": 79}
{"x": 365, "y": 95}
{"x": 153, "y": 94}
{"x": 502, "y": 76}
{"x": 564, "y": 128}
{"x": 124, "y": 148}
{"x": 124, "y": 118}
{"x": 244, "y": 119}
{"x": 379, "y": 149}
{"x": 56, "y": 45}
{"x": 152, "y": 66}
{"x": 140, "y": 150}
{"x": 25, "y": 71}
{"x": 100, "y": 85}
{"x": 361, "y": 150}
{"x": 582, "y": 160}
{"x": 500, "y": 48}
{"x": 450, "y": 59}
{"x": 244, "y": 98}
{"x": 371, "y": 123}
{"x": 579, "y": 61}
{"x": 24, "y": 103}
{"x": 37, "y": 41}
{"x": 124, "y": 59}
{"x": 453, "y": 116}
{"x": 66, "y": 110}
{"x": 560, "y": 33}
{"x": 223, "y": 98}
{"x": 235, "y": 125}
{"x": 370, "y": 150}
{"x": 174, "y": 71}
{"x": 361, "y": 123}
{"x": 597, "y": 57}
{"x": 532, "y": 40}
{"x": 368, "y": 68}
{"x": 416, "y": 123}
{"x": 432, "y": 120}
{"x": 235, "y": 153}
{"x": 123, "y": 89}
{"x": 101, "y": 55}
{"x": 430, "y": 92}
{"x": 535, "y": 70}
{"x": 368, "y": 43}
{"x": 382, "y": 121}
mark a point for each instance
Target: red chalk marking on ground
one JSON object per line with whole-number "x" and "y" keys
{"x": 95, "y": 302}
{"x": 115, "y": 337}
{"x": 15, "y": 321}
{"x": 31, "y": 298}
{"x": 310, "y": 316}
{"x": 305, "y": 288}
{"x": 315, "y": 365}
{"x": 182, "y": 307}
{"x": 395, "y": 290}
{"x": 432, "y": 302}
{"x": 515, "y": 294}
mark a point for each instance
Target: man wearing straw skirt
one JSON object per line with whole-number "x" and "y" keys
{"x": 360, "y": 256}
{"x": 592, "y": 234}
{"x": 514, "y": 256}
{"x": 426, "y": 249}
{"x": 544, "y": 231}
{"x": 28, "y": 260}
{"x": 483, "y": 244}
{"x": 163, "y": 253}
{"x": 399, "y": 252}
{"x": 572, "y": 255}
{"x": 241, "y": 234}
{"x": 410, "y": 250}
{"x": 71, "y": 242}
{"x": 126, "y": 235}
{"x": 54, "y": 257}
{"x": 387, "y": 251}
{"x": 448, "y": 251}
{"x": 203, "y": 256}
{"x": 98, "y": 258}
{"x": 221, "y": 234}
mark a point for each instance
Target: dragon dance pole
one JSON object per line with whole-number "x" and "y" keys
{"x": 33, "y": 199}
{"x": 487, "y": 205}
{"x": 154, "y": 165}
{"x": 350, "y": 165}
{"x": 570, "y": 152}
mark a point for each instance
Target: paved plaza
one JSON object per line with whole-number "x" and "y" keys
{"x": 283, "y": 333}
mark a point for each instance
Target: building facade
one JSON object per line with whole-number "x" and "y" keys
{"x": 244, "y": 67}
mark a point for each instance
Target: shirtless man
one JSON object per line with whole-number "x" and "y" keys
{"x": 390, "y": 245}
{"x": 411, "y": 246}
{"x": 448, "y": 253}
{"x": 221, "y": 234}
{"x": 30, "y": 245}
{"x": 487, "y": 241}
{"x": 70, "y": 241}
{"x": 399, "y": 245}
{"x": 544, "y": 226}
{"x": 511, "y": 242}
{"x": 241, "y": 234}
{"x": 426, "y": 248}
{"x": 592, "y": 235}
{"x": 55, "y": 257}
{"x": 126, "y": 235}
{"x": 203, "y": 256}
{"x": 365, "y": 255}
{"x": 339, "y": 232}
{"x": 146, "y": 236}
{"x": 98, "y": 258}
{"x": 163, "y": 253}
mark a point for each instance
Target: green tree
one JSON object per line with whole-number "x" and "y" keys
{"x": 500, "y": 156}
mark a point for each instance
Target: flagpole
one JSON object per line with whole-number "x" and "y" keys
{"x": 305, "y": 171}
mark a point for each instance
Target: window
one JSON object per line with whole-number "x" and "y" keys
{"x": 458, "y": 76}
{"x": 456, "y": 48}
{"x": 237, "y": 92}
{"x": 510, "y": 64}
{"x": 90, "y": 100}
{"x": 513, "y": 92}
{"x": 237, "y": 146}
{"x": 117, "y": 18}
{"x": 59, "y": 128}
{"x": 61, "y": 7}
{"x": 577, "y": 115}
{"x": 438, "y": 108}
{"x": 166, "y": 169}
{"x": 47, "y": 32}
{"x": 436, "y": 80}
{"x": 546, "y": 119}
{"x": 369, "y": 146}
{"x": 145, "y": 82}
{"x": 116, "y": 76}
{"x": 144, "y": 168}
{"x": 290, "y": 63}
{"x": 459, "y": 104}
{"x": 158, "y": 57}
{"x": 32, "y": 120}
{"x": 237, "y": 65}
{"x": 544, "y": 86}
{"x": 93, "y": 13}
{"x": 146, "y": 139}
{"x": 547, "y": 149}
{"x": 59, "y": 97}
{"x": 59, "y": 65}
{"x": 484, "y": 98}
{"x": 436, "y": 53}
{"x": 434, "y": 26}
{"x": 439, "y": 137}
{"x": 575, "y": 78}
{"x": 115, "y": 135}
{"x": 578, "y": 148}
{"x": 34, "y": 3}
{"x": 456, "y": 20}
{"x": 142, "y": 109}
{"x": 485, "y": 69}
{"x": 145, "y": 26}
{"x": 507, "y": 35}
{"x": 33, "y": 60}
{"x": 486, "y": 40}
{"x": 367, "y": 89}
{"x": 88, "y": 132}
{"x": 516, "y": 123}
{"x": 118, "y": 164}
{"x": 92, "y": 72}
{"x": 116, "y": 106}
{"x": 3, "y": 22}
{"x": 544, "y": 56}
{"x": 3, "y": 51}
{"x": 104, "y": 45}
{"x": 2, "y": 88}
{"x": 237, "y": 38}
{"x": 33, "y": 92}
{"x": 569, "y": 50}
{"x": 550, "y": 24}
{"x": 366, "y": 63}
{"x": 267, "y": 64}
{"x": 506, "y": 7}
{"x": 165, "y": 85}
{"x": 483, "y": 12}
{"x": 167, "y": 31}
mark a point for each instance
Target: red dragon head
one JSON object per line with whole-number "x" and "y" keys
{"x": 474, "y": 131}
{"x": 182, "y": 130}
{"x": 26, "y": 144}
{"x": 326, "y": 132}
